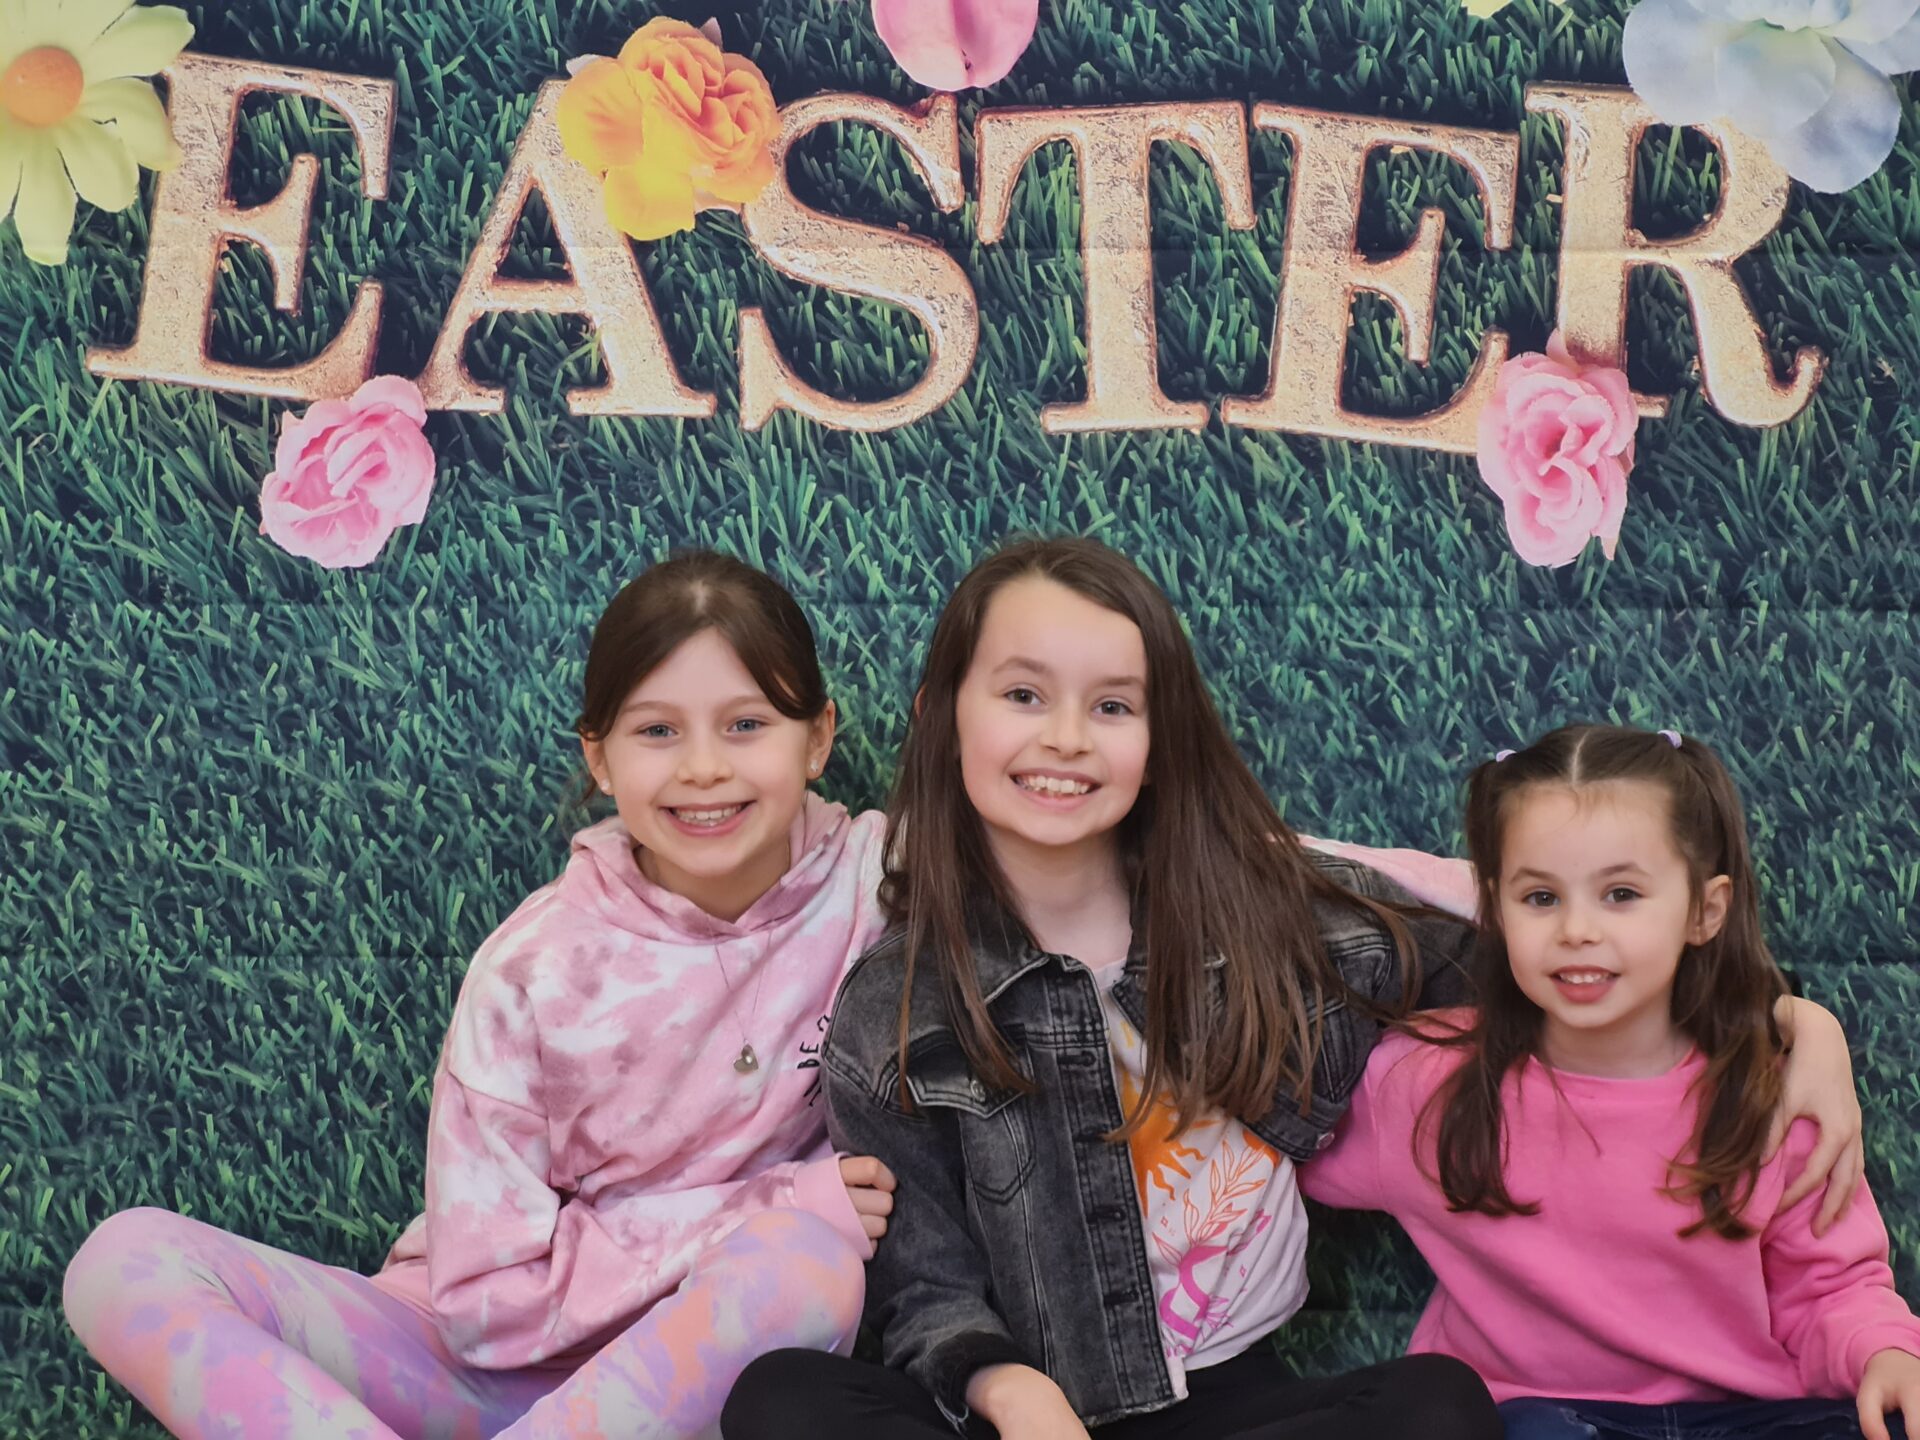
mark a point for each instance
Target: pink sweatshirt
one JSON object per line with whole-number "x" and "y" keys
{"x": 590, "y": 1135}
{"x": 1597, "y": 1297}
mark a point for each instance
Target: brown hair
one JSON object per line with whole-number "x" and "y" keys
{"x": 1219, "y": 873}
{"x": 1724, "y": 991}
{"x": 669, "y": 603}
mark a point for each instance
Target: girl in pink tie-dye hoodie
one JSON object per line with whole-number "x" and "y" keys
{"x": 629, "y": 1188}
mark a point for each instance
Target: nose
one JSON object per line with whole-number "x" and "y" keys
{"x": 1579, "y": 924}
{"x": 703, "y": 762}
{"x": 1066, "y": 732}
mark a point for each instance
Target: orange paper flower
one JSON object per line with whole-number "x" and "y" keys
{"x": 672, "y": 125}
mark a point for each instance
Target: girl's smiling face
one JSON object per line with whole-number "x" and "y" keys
{"x": 1052, "y": 719}
{"x": 708, "y": 776}
{"x": 1597, "y": 908}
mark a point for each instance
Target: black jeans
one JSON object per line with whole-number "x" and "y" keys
{"x": 793, "y": 1394}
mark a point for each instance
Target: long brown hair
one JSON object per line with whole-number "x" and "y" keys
{"x": 674, "y": 600}
{"x": 1217, "y": 871}
{"x": 1724, "y": 991}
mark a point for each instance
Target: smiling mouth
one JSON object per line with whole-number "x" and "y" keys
{"x": 1055, "y": 786}
{"x": 1586, "y": 976}
{"x": 705, "y": 815}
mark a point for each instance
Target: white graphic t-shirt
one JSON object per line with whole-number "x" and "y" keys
{"x": 1226, "y": 1232}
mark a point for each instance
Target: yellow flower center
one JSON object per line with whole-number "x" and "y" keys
{"x": 42, "y": 87}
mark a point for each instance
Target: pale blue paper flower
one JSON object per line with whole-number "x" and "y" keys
{"x": 1806, "y": 78}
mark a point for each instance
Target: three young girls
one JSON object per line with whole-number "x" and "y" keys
{"x": 1105, "y": 929}
{"x": 629, "y": 1193}
{"x": 1582, "y": 1159}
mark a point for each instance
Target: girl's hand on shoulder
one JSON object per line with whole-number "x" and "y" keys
{"x": 870, "y": 1186}
{"x": 1819, "y": 1087}
{"x": 1891, "y": 1382}
{"x": 1024, "y": 1404}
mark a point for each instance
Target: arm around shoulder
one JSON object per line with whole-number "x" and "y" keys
{"x": 1443, "y": 942}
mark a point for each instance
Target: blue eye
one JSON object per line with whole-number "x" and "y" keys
{"x": 656, "y": 732}
{"x": 749, "y": 726}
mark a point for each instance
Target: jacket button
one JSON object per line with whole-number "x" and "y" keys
{"x": 1324, "y": 1141}
{"x": 980, "y": 1092}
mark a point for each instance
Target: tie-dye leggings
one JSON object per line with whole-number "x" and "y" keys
{"x": 222, "y": 1337}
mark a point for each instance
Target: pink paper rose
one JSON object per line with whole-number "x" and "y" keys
{"x": 348, "y": 473}
{"x": 1556, "y": 442}
{"x": 951, "y": 44}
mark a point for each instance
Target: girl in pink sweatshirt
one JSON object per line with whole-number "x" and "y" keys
{"x": 629, "y": 1189}
{"x": 1583, "y": 1158}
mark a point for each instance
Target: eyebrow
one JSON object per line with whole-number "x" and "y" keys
{"x": 1021, "y": 662}
{"x": 728, "y": 704}
{"x": 1625, "y": 868}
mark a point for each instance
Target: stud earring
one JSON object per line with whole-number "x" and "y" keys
{"x": 605, "y": 788}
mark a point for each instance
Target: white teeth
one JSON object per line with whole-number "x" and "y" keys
{"x": 1583, "y": 977}
{"x": 1050, "y": 785}
{"x": 708, "y": 817}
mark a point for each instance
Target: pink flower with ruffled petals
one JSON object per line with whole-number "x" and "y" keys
{"x": 348, "y": 473}
{"x": 1556, "y": 443}
{"x": 952, "y": 44}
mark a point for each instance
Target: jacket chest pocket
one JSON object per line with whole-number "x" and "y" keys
{"x": 995, "y": 1127}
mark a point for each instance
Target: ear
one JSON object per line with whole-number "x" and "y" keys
{"x": 820, "y": 740}
{"x": 596, "y": 755}
{"x": 919, "y": 700}
{"x": 1715, "y": 900}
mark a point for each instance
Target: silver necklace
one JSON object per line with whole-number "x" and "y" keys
{"x": 747, "y": 1062}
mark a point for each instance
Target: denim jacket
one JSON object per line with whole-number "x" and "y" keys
{"x": 1016, "y": 1234}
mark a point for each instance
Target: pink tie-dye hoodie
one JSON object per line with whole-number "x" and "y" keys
{"x": 590, "y": 1135}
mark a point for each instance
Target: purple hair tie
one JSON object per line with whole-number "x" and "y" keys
{"x": 1500, "y": 755}
{"x": 1672, "y": 738}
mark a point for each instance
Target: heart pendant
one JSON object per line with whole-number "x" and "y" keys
{"x": 748, "y": 1061}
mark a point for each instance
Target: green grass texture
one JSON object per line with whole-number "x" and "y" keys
{"x": 255, "y": 815}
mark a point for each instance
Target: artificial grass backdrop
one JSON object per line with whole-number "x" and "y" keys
{"x": 255, "y": 816}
